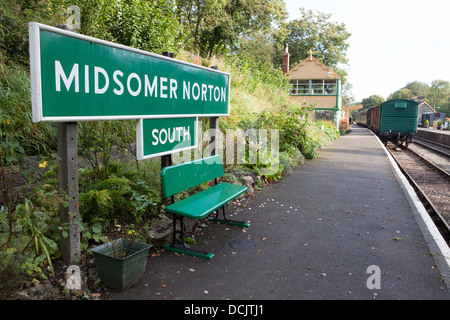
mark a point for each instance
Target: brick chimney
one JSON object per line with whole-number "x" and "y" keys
{"x": 285, "y": 59}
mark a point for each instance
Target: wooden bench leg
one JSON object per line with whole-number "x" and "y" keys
{"x": 241, "y": 224}
{"x": 182, "y": 248}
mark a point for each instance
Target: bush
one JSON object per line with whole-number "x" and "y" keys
{"x": 29, "y": 234}
{"x": 19, "y": 136}
{"x": 292, "y": 124}
{"x": 146, "y": 25}
{"x": 125, "y": 195}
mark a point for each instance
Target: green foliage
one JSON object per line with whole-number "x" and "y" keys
{"x": 19, "y": 136}
{"x": 404, "y": 93}
{"x": 96, "y": 140}
{"x": 373, "y": 100}
{"x": 14, "y": 18}
{"x": 29, "y": 232}
{"x": 326, "y": 39}
{"x": 258, "y": 159}
{"x": 327, "y": 130}
{"x": 418, "y": 88}
{"x": 291, "y": 123}
{"x": 17, "y": 267}
{"x": 439, "y": 95}
{"x": 215, "y": 27}
{"x": 146, "y": 25}
{"x": 436, "y": 95}
{"x": 125, "y": 195}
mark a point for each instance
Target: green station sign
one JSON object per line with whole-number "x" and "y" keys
{"x": 80, "y": 78}
{"x": 157, "y": 137}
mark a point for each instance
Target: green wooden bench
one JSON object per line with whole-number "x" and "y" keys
{"x": 180, "y": 177}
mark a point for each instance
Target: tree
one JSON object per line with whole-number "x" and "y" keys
{"x": 14, "y": 18}
{"x": 146, "y": 25}
{"x": 412, "y": 89}
{"x": 326, "y": 40}
{"x": 217, "y": 26}
{"x": 418, "y": 88}
{"x": 347, "y": 94}
{"x": 400, "y": 94}
{"x": 439, "y": 94}
{"x": 259, "y": 47}
{"x": 197, "y": 17}
{"x": 371, "y": 101}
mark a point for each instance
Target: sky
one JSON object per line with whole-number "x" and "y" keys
{"x": 393, "y": 42}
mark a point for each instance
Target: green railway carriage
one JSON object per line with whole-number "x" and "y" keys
{"x": 393, "y": 120}
{"x": 396, "y": 120}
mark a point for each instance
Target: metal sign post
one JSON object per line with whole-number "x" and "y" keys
{"x": 69, "y": 216}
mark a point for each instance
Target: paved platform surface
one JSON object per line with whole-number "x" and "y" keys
{"x": 313, "y": 236}
{"x": 447, "y": 132}
{"x": 439, "y": 136}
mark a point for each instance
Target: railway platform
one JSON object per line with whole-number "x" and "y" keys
{"x": 342, "y": 227}
{"x": 439, "y": 136}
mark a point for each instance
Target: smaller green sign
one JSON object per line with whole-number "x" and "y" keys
{"x": 158, "y": 137}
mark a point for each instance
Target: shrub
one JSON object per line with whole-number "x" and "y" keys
{"x": 291, "y": 123}
{"x": 19, "y": 136}
{"x": 125, "y": 195}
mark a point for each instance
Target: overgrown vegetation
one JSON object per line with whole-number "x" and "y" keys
{"x": 115, "y": 188}
{"x": 437, "y": 95}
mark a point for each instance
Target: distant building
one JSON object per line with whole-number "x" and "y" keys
{"x": 316, "y": 84}
{"x": 424, "y": 108}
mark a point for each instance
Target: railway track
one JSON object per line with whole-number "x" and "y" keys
{"x": 431, "y": 183}
{"x": 441, "y": 149}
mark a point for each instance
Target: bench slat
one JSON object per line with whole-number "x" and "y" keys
{"x": 203, "y": 203}
{"x": 186, "y": 175}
